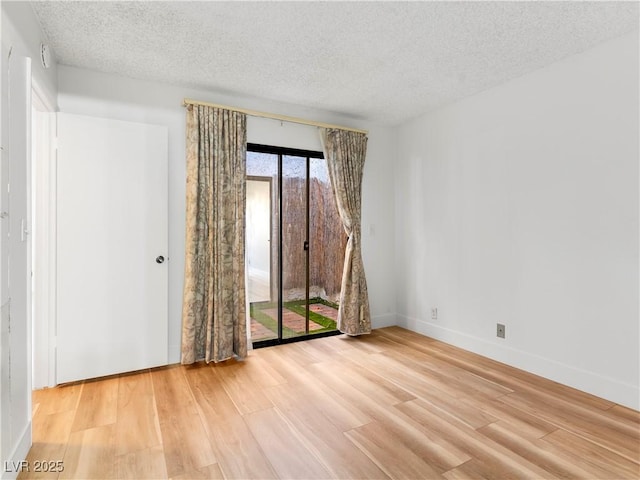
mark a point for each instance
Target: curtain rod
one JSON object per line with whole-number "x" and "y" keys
{"x": 275, "y": 116}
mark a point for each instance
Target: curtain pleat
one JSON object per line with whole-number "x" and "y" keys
{"x": 214, "y": 301}
{"x": 345, "y": 152}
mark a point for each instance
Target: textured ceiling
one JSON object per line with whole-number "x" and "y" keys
{"x": 384, "y": 62}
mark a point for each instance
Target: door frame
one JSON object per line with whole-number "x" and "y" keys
{"x": 15, "y": 298}
{"x": 43, "y": 210}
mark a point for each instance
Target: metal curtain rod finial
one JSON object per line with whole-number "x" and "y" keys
{"x": 283, "y": 118}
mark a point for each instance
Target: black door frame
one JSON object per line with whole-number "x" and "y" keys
{"x": 308, "y": 154}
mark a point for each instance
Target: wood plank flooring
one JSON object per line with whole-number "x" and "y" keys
{"x": 393, "y": 404}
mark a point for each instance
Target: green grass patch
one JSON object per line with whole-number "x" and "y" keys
{"x": 259, "y": 316}
{"x": 297, "y": 306}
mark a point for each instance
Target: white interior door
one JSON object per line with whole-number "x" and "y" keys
{"x": 112, "y": 209}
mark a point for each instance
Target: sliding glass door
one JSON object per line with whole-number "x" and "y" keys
{"x": 295, "y": 273}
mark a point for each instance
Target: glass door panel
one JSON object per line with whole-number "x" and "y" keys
{"x": 327, "y": 244}
{"x": 294, "y": 246}
{"x": 262, "y": 245}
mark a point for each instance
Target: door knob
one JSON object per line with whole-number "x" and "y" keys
{"x": 159, "y": 259}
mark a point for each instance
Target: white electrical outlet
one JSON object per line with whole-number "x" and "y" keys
{"x": 434, "y": 313}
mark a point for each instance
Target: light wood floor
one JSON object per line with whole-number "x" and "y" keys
{"x": 392, "y": 404}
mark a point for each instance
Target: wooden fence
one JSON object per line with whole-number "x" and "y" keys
{"x": 327, "y": 238}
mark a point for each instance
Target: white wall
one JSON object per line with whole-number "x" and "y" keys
{"x": 92, "y": 93}
{"x": 519, "y": 205}
{"x": 258, "y": 226}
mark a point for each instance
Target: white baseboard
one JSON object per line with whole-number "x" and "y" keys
{"x": 595, "y": 384}
{"x": 174, "y": 354}
{"x": 15, "y": 463}
{"x": 381, "y": 321}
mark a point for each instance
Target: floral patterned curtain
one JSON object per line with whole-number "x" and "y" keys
{"x": 214, "y": 308}
{"x": 345, "y": 152}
